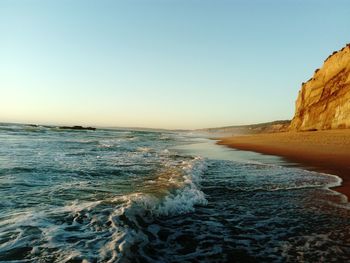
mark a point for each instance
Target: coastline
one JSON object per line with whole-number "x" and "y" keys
{"x": 325, "y": 151}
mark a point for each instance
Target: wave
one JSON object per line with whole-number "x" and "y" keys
{"x": 21, "y": 129}
{"x": 175, "y": 190}
{"x": 111, "y": 226}
{"x": 252, "y": 177}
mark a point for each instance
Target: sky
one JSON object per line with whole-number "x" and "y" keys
{"x": 162, "y": 63}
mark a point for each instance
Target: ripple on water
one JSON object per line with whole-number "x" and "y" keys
{"x": 116, "y": 196}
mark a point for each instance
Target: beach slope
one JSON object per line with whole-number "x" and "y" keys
{"x": 324, "y": 151}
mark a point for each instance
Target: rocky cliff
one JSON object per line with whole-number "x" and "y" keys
{"x": 324, "y": 100}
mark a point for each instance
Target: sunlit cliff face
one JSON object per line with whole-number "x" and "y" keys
{"x": 323, "y": 101}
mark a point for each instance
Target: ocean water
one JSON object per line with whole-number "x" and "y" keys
{"x": 140, "y": 196}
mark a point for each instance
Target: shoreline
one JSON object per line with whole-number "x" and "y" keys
{"x": 321, "y": 151}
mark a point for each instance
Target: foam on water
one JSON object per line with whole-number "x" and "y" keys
{"x": 130, "y": 196}
{"x": 174, "y": 191}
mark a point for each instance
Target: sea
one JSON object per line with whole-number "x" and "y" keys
{"x": 118, "y": 195}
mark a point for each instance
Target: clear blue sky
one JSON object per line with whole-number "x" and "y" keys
{"x": 165, "y": 63}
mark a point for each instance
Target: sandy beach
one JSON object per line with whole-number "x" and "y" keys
{"x": 325, "y": 151}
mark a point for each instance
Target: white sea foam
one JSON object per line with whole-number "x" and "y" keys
{"x": 114, "y": 197}
{"x": 181, "y": 191}
{"x": 180, "y": 200}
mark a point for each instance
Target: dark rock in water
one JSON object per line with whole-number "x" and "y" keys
{"x": 77, "y": 128}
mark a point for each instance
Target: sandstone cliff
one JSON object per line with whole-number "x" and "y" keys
{"x": 324, "y": 100}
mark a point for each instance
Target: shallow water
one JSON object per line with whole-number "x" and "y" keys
{"x": 133, "y": 196}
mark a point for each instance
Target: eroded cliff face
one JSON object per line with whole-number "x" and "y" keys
{"x": 324, "y": 100}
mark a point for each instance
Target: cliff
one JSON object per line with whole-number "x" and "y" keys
{"x": 324, "y": 100}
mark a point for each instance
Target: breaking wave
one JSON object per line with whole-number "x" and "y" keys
{"x": 133, "y": 196}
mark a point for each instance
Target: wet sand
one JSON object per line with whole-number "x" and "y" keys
{"x": 323, "y": 151}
